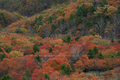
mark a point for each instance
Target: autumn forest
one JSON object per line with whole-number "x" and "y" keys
{"x": 59, "y": 39}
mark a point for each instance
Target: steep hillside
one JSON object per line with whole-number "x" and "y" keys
{"x": 75, "y": 41}
{"x": 29, "y": 7}
{"x": 6, "y": 18}
{"x": 77, "y": 19}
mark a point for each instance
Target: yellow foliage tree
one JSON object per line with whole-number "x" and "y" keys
{"x": 110, "y": 10}
{"x": 15, "y": 54}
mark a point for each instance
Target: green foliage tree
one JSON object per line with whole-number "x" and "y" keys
{"x": 118, "y": 54}
{"x": 8, "y": 50}
{"x": 50, "y": 19}
{"x": 1, "y": 50}
{"x": 71, "y": 17}
{"x": 103, "y": 3}
{"x": 68, "y": 39}
{"x": 18, "y": 30}
{"x": 112, "y": 40}
{"x": 119, "y": 10}
{"x": 91, "y": 9}
{"x": 50, "y": 50}
{"x": 91, "y": 53}
{"x": 65, "y": 70}
{"x": 118, "y": 41}
{"x": 95, "y": 50}
{"x": 2, "y": 56}
{"x": 6, "y": 77}
{"x": 100, "y": 56}
{"x": 36, "y": 48}
{"x": 38, "y": 58}
{"x": 53, "y": 27}
{"x": 27, "y": 75}
{"x": 47, "y": 76}
{"x": 32, "y": 53}
{"x": 76, "y": 39}
{"x": 41, "y": 44}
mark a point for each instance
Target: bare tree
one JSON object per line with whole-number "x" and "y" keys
{"x": 46, "y": 32}
{"x": 100, "y": 26}
{"x": 116, "y": 23}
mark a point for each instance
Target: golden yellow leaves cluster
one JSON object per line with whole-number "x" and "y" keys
{"x": 111, "y": 10}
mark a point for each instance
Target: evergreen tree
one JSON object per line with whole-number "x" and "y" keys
{"x": 36, "y": 48}
{"x": 118, "y": 41}
{"x": 100, "y": 56}
{"x": 38, "y": 58}
{"x": 27, "y": 75}
{"x": 103, "y": 3}
{"x": 32, "y": 53}
{"x": 50, "y": 50}
{"x": 47, "y": 76}
{"x": 2, "y": 56}
{"x": 95, "y": 50}
{"x": 1, "y": 50}
{"x": 91, "y": 53}
{"x": 112, "y": 40}
{"x": 6, "y": 77}
{"x": 65, "y": 70}
{"x": 41, "y": 44}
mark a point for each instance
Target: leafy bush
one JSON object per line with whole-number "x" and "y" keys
{"x": 65, "y": 70}
{"x": 36, "y": 48}
{"x": 6, "y": 77}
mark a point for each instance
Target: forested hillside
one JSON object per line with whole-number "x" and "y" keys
{"x": 6, "y": 18}
{"x": 29, "y": 7}
{"x": 60, "y": 40}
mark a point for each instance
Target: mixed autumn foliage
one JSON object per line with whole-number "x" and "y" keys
{"x": 66, "y": 60}
{"x": 65, "y": 42}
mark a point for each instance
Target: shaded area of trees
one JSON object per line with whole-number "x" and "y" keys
{"x": 28, "y": 7}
